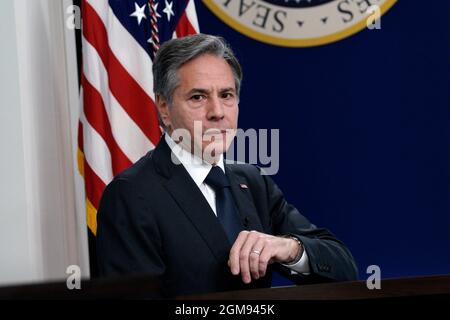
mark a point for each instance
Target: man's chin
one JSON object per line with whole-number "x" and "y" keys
{"x": 213, "y": 150}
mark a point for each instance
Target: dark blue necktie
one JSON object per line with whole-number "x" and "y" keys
{"x": 226, "y": 209}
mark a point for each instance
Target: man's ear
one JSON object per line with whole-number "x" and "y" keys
{"x": 163, "y": 109}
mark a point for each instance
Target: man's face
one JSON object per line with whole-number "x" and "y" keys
{"x": 206, "y": 95}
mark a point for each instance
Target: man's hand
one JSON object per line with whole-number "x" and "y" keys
{"x": 253, "y": 251}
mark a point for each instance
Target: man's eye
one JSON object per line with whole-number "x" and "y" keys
{"x": 197, "y": 97}
{"x": 227, "y": 95}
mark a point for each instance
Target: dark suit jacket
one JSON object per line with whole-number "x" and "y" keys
{"x": 154, "y": 219}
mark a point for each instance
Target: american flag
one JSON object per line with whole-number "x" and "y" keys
{"x": 118, "y": 120}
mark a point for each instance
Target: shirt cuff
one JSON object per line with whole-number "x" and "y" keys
{"x": 302, "y": 266}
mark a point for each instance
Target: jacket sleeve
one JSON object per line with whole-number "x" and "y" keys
{"x": 123, "y": 246}
{"x": 329, "y": 258}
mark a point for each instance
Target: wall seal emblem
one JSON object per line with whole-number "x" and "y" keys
{"x": 297, "y": 23}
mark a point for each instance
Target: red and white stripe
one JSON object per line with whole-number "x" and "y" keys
{"x": 118, "y": 121}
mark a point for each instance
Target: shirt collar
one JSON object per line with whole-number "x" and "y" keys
{"x": 196, "y": 167}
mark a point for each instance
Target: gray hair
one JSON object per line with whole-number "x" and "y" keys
{"x": 174, "y": 53}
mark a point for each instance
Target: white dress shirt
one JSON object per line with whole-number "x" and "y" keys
{"x": 199, "y": 170}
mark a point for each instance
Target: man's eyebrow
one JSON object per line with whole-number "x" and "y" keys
{"x": 197, "y": 90}
{"x": 206, "y": 91}
{"x": 228, "y": 89}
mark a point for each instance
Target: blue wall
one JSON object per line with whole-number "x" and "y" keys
{"x": 365, "y": 132}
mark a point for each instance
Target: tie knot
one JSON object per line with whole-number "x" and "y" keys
{"x": 217, "y": 179}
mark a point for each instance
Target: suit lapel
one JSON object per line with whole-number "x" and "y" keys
{"x": 244, "y": 200}
{"x": 191, "y": 201}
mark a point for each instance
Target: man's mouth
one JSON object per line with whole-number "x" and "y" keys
{"x": 213, "y": 132}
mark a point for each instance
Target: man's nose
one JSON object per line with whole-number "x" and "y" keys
{"x": 215, "y": 109}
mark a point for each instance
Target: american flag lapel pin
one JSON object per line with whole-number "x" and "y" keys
{"x": 243, "y": 186}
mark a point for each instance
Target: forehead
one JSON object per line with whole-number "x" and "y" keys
{"x": 206, "y": 70}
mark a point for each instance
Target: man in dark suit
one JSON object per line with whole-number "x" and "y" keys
{"x": 184, "y": 215}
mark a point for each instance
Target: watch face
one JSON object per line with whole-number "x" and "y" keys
{"x": 299, "y": 23}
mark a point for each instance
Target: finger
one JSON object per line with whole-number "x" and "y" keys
{"x": 235, "y": 250}
{"x": 255, "y": 256}
{"x": 244, "y": 256}
{"x": 254, "y": 263}
{"x": 264, "y": 260}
